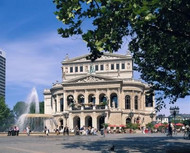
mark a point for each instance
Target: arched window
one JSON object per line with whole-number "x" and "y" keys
{"x": 81, "y": 99}
{"x": 91, "y": 99}
{"x": 103, "y": 98}
{"x": 136, "y": 102}
{"x": 127, "y": 102}
{"x": 70, "y": 100}
{"x": 114, "y": 100}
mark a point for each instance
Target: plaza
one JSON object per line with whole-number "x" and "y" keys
{"x": 124, "y": 143}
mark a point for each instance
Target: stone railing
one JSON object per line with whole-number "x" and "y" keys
{"x": 94, "y": 107}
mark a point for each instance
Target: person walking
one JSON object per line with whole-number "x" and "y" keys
{"x": 28, "y": 130}
{"x": 170, "y": 129}
{"x": 17, "y": 130}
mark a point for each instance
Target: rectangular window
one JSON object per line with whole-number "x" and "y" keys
{"x": 76, "y": 69}
{"x": 96, "y": 67}
{"x": 123, "y": 65}
{"x": 112, "y": 66}
{"x": 101, "y": 67}
{"x": 81, "y": 68}
{"x": 71, "y": 69}
{"x": 117, "y": 66}
{"x": 149, "y": 101}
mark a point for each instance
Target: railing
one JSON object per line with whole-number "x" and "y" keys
{"x": 100, "y": 107}
{"x": 88, "y": 107}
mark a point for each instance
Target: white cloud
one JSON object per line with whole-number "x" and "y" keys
{"x": 37, "y": 60}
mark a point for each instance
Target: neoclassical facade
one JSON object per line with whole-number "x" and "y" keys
{"x": 103, "y": 91}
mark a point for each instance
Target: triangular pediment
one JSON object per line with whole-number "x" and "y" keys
{"x": 90, "y": 79}
{"x": 105, "y": 56}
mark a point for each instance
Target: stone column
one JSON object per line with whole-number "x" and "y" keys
{"x": 132, "y": 101}
{"x": 94, "y": 120}
{"x": 58, "y": 103}
{"x": 65, "y": 102}
{"x": 82, "y": 119}
{"x": 97, "y": 97}
{"x": 75, "y": 96}
{"x": 86, "y": 97}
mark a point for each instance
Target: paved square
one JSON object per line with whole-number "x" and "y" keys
{"x": 124, "y": 143}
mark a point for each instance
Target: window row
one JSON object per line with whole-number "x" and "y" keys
{"x": 103, "y": 100}
{"x": 100, "y": 67}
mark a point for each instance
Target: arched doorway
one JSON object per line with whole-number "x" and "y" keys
{"x": 101, "y": 121}
{"x": 128, "y": 120}
{"x": 76, "y": 122}
{"x": 114, "y": 100}
{"x": 88, "y": 121}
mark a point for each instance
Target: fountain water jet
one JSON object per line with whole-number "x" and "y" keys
{"x": 35, "y": 121}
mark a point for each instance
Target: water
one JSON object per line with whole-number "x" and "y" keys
{"x": 35, "y": 121}
{"x": 32, "y": 98}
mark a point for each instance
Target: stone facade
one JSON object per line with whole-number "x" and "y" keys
{"x": 104, "y": 91}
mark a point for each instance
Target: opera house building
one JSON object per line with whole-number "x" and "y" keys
{"x": 103, "y": 91}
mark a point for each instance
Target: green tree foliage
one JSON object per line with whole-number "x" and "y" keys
{"x": 6, "y": 115}
{"x": 42, "y": 107}
{"x": 159, "y": 32}
{"x": 19, "y": 109}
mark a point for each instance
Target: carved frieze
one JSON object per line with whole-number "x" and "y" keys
{"x": 90, "y": 79}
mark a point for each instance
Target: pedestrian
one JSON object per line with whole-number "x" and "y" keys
{"x": 170, "y": 129}
{"x": 28, "y": 130}
{"x": 17, "y": 131}
{"x": 76, "y": 130}
{"x": 66, "y": 130}
{"x": 45, "y": 129}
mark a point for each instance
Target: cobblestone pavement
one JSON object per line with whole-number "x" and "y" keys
{"x": 123, "y": 143}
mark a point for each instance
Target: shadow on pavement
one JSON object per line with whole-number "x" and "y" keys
{"x": 133, "y": 144}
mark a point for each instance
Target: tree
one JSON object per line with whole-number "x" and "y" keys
{"x": 6, "y": 116}
{"x": 19, "y": 109}
{"x": 42, "y": 107}
{"x": 159, "y": 37}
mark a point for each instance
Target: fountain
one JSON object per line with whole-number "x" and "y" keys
{"x": 35, "y": 121}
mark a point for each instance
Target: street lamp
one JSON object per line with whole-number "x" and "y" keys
{"x": 174, "y": 111}
{"x": 131, "y": 114}
{"x": 104, "y": 116}
{"x": 66, "y": 115}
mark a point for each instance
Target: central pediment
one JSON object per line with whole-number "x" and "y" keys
{"x": 105, "y": 56}
{"x": 90, "y": 79}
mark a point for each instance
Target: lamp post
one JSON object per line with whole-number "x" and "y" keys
{"x": 174, "y": 111}
{"x": 66, "y": 115}
{"x": 104, "y": 116}
{"x": 131, "y": 114}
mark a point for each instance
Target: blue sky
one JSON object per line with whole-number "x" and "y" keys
{"x": 34, "y": 50}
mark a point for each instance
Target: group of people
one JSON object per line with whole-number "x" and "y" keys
{"x": 13, "y": 131}
{"x": 64, "y": 130}
{"x": 85, "y": 130}
{"x": 171, "y": 129}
